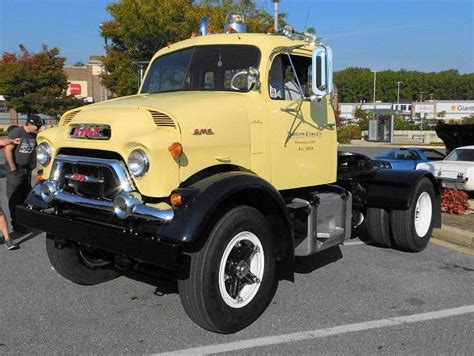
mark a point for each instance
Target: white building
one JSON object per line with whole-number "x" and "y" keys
{"x": 454, "y": 110}
{"x": 348, "y": 109}
{"x": 432, "y": 109}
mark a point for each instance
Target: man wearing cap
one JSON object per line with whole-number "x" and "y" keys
{"x": 21, "y": 160}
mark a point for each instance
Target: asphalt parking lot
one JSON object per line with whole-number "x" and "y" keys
{"x": 352, "y": 299}
{"x": 355, "y": 299}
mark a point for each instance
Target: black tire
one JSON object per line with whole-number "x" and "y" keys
{"x": 78, "y": 264}
{"x": 403, "y": 222}
{"x": 207, "y": 295}
{"x": 378, "y": 227}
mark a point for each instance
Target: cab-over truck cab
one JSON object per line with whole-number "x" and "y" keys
{"x": 222, "y": 167}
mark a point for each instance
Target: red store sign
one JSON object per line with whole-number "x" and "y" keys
{"x": 75, "y": 89}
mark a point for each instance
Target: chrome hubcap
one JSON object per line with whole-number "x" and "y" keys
{"x": 241, "y": 269}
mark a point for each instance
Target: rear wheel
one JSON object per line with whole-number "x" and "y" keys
{"x": 412, "y": 228}
{"x": 232, "y": 277}
{"x": 80, "y": 264}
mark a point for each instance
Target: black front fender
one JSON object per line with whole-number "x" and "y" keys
{"x": 211, "y": 196}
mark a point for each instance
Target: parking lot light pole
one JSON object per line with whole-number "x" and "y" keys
{"x": 375, "y": 84}
{"x": 398, "y": 96}
{"x": 422, "y": 114}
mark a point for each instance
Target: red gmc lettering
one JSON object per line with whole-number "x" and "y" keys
{"x": 90, "y": 132}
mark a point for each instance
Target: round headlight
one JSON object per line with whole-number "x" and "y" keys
{"x": 137, "y": 163}
{"x": 43, "y": 153}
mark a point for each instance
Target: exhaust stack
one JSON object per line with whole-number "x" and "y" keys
{"x": 204, "y": 26}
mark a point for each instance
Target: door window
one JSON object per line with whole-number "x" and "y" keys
{"x": 283, "y": 80}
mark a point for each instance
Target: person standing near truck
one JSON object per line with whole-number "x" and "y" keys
{"x": 3, "y": 221}
{"x": 21, "y": 160}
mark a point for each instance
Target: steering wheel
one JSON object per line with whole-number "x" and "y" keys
{"x": 235, "y": 77}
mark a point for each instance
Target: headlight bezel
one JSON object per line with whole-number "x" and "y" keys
{"x": 43, "y": 153}
{"x": 140, "y": 166}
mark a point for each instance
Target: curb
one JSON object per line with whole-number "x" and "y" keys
{"x": 455, "y": 236}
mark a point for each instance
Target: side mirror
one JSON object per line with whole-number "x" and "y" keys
{"x": 322, "y": 83}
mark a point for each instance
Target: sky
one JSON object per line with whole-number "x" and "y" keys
{"x": 418, "y": 35}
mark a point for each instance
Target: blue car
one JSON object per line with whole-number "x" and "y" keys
{"x": 406, "y": 158}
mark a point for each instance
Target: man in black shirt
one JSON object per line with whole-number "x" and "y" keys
{"x": 21, "y": 160}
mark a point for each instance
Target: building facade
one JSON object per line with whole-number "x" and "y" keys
{"x": 86, "y": 82}
{"x": 433, "y": 109}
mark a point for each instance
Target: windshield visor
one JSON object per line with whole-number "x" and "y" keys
{"x": 202, "y": 68}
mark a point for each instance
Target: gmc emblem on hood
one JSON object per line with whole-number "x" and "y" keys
{"x": 91, "y": 132}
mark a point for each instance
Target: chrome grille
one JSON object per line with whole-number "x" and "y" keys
{"x": 161, "y": 119}
{"x": 96, "y": 179}
{"x": 94, "y": 182}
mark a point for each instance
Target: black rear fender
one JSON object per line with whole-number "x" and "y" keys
{"x": 394, "y": 190}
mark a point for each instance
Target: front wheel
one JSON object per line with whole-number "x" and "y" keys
{"x": 412, "y": 228}
{"x": 232, "y": 277}
{"x": 80, "y": 264}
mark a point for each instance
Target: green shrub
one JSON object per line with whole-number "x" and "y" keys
{"x": 468, "y": 120}
{"x": 349, "y": 132}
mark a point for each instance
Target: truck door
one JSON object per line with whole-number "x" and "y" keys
{"x": 303, "y": 132}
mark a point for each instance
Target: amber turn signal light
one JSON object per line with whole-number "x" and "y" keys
{"x": 175, "y": 199}
{"x": 175, "y": 149}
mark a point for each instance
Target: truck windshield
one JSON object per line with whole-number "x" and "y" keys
{"x": 201, "y": 68}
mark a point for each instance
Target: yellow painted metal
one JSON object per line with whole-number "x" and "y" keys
{"x": 246, "y": 130}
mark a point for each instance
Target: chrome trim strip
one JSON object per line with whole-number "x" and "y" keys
{"x": 454, "y": 180}
{"x": 147, "y": 212}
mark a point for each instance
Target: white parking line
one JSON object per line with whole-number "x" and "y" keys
{"x": 351, "y": 243}
{"x": 320, "y": 333}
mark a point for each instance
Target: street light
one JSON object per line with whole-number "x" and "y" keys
{"x": 398, "y": 96}
{"x": 375, "y": 84}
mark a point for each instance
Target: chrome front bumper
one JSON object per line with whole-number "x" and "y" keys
{"x": 128, "y": 202}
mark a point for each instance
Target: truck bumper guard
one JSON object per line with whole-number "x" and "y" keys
{"x": 127, "y": 203}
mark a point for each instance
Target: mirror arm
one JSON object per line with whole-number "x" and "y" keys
{"x": 295, "y": 76}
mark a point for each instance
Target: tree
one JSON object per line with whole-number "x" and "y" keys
{"x": 356, "y": 85}
{"x": 35, "y": 82}
{"x": 141, "y": 27}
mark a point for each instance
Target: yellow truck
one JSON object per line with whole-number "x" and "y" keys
{"x": 222, "y": 168}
